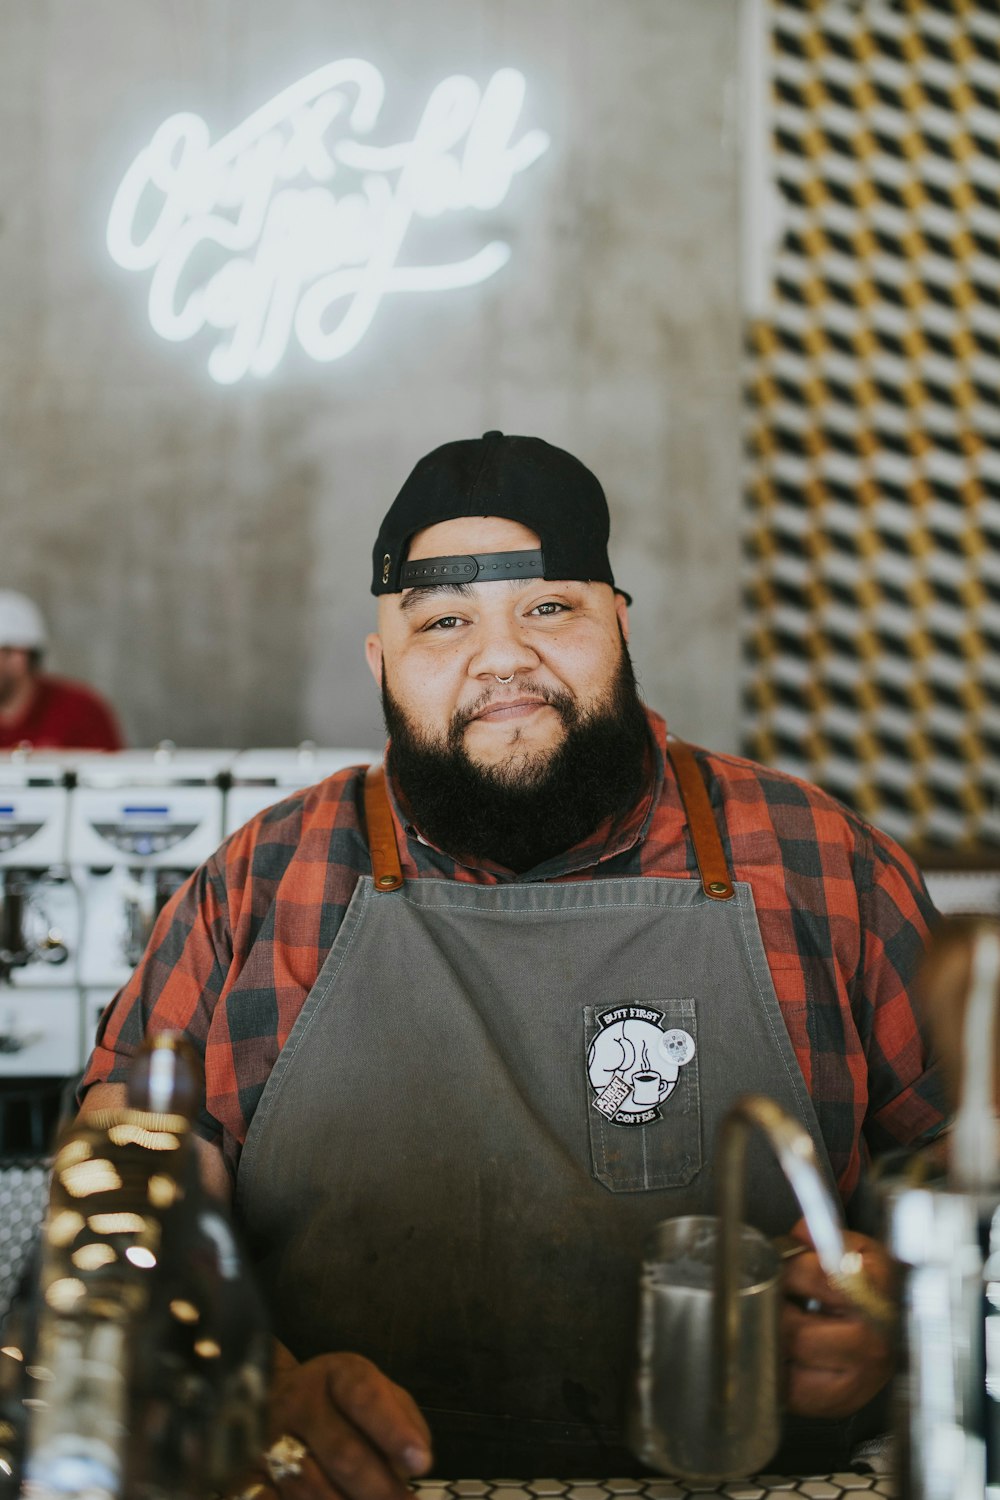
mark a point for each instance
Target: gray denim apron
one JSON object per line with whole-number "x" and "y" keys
{"x": 489, "y": 1097}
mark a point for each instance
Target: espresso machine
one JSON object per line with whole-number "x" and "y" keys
{"x": 262, "y": 777}
{"x": 140, "y": 822}
{"x": 39, "y": 921}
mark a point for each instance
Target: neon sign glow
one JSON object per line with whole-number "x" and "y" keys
{"x": 292, "y": 225}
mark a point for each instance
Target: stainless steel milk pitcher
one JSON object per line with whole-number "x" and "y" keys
{"x": 706, "y": 1399}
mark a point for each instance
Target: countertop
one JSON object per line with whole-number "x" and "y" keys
{"x": 815, "y": 1487}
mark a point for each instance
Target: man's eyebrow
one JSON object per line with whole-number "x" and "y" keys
{"x": 412, "y": 597}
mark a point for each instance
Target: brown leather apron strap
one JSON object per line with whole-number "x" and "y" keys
{"x": 386, "y": 869}
{"x": 711, "y": 857}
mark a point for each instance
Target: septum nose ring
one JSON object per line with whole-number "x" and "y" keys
{"x": 505, "y": 680}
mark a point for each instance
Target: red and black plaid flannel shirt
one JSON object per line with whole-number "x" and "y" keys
{"x": 843, "y": 916}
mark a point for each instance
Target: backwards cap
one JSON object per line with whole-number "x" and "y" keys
{"x": 519, "y": 478}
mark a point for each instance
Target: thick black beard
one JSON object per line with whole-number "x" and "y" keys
{"x": 522, "y": 812}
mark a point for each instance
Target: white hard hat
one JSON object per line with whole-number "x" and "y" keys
{"x": 21, "y": 622}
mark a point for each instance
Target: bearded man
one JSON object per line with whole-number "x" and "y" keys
{"x": 469, "y": 1026}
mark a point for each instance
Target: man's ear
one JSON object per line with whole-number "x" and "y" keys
{"x": 621, "y": 610}
{"x": 373, "y": 656}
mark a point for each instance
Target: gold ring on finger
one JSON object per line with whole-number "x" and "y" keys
{"x": 284, "y": 1458}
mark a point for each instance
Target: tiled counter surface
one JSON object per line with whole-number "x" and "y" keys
{"x": 814, "y": 1487}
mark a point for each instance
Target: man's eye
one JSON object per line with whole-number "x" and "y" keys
{"x": 550, "y": 607}
{"x": 446, "y": 622}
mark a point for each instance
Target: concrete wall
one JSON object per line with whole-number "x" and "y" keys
{"x": 202, "y": 551}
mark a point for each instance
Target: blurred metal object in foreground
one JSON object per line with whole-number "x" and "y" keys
{"x": 140, "y": 1372}
{"x": 943, "y": 1225}
{"x": 707, "y": 1396}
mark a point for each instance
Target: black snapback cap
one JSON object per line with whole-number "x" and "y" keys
{"x": 520, "y": 478}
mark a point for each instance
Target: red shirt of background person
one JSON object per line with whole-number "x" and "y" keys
{"x": 46, "y": 712}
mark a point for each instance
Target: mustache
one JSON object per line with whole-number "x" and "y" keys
{"x": 560, "y": 700}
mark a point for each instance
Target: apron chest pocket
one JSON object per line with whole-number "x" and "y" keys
{"x": 643, "y": 1094}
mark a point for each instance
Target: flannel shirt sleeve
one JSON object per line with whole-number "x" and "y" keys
{"x": 177, "y": 983}
{"x": 906, "y": 1101}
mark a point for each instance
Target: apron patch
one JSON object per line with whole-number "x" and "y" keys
{"x": 634, "y": 1062}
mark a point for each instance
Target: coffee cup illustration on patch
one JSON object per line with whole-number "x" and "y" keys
{"x": 634, "y": 1063}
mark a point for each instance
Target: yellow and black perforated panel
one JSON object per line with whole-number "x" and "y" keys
{"x": 873, "y": 520}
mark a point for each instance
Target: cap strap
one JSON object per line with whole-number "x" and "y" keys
{"x": 487, "y": 567}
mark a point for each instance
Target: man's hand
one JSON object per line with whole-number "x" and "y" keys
{"x": 835, "y": 1360}
{"x": 365, "y": 1436}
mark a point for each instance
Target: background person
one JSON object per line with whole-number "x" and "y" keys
{"x": 37, "y": 709}
{"x": 450, "y": 1100}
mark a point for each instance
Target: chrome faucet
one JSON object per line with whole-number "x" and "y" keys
{"x": 706, "y": 1400}
{"x": 143, "y": 1366}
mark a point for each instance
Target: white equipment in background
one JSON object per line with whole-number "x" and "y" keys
{"x": 967, "y": 890}
{"x": 40, "y": 921}
{"x": 140, "y": 822}
{"x": 263, "y": 777}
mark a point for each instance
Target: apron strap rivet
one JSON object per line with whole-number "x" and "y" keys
{"x": 387, "y": 880}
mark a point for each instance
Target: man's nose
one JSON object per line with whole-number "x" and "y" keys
{"x": 502, "y": 651}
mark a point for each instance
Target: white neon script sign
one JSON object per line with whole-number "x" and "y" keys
{"x": 290, "y": 224}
